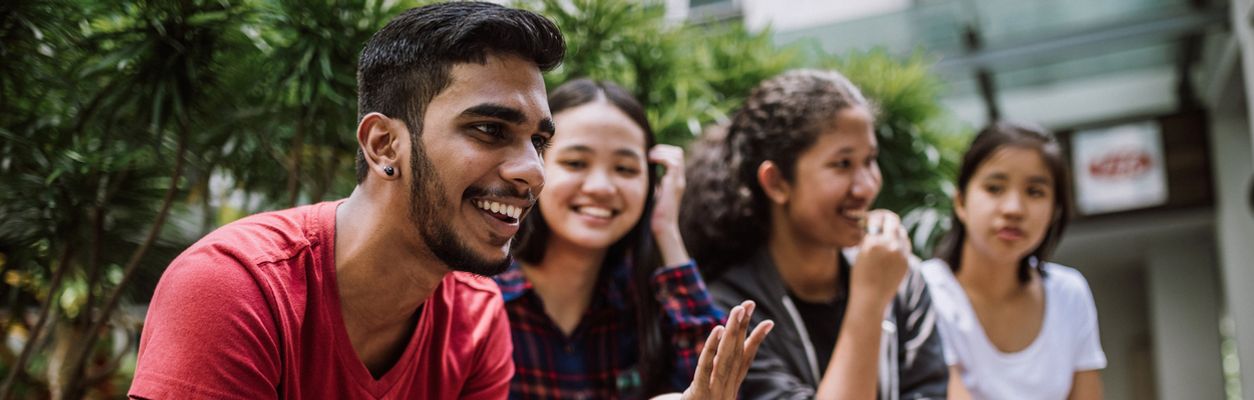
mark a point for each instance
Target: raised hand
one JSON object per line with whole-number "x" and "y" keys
{"x": 670, "y": 191}
{"x": 883, "y": 258}
{"x": 725, "y": 359}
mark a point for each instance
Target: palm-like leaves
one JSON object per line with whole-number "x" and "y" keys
{"x": 102, "y": 184}
{"x": 316, "y": 60}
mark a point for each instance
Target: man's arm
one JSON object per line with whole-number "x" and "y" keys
{"x": 209, "y": 333}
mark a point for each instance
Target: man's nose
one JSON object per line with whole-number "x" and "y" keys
{"x": 524, "y": 170}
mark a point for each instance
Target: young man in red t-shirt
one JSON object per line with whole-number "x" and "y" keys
{"x": 355, "y": 298}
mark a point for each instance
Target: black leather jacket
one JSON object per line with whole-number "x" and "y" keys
{"x": 912, "y": 364}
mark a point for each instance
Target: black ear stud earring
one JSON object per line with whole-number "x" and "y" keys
{"x": 389, "y": 170}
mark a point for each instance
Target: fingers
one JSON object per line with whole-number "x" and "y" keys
{"x": 672, "y": 158}
{"x": 729, "y": 350}
{"x": 705, "y": 364}
{"x": 751, "y": 349}
{"x": 891, "y": 223}
{"x": 874, "y": 223}
{"x": 667, "y": 155}
{"x": 725, "y": 359}
{"x": 749, "y": 306}
{"x": 885, "y": 226}
{"x": 874, "y": 227}
{"x": 891, "y": 228}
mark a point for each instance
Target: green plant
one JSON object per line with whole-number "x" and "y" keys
{"x": 693, "y": 76}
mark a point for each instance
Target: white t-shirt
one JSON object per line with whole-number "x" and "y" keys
{"x": 1067, "y": 343}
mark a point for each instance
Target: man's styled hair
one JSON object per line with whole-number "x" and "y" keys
{"x": 408, "y": 62}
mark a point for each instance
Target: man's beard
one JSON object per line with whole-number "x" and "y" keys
{"x": 431, "y": 214}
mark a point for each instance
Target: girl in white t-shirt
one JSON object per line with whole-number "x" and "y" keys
{"x": 1013, "y": 326}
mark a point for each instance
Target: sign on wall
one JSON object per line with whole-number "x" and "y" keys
{"x": 1119, "y": 168}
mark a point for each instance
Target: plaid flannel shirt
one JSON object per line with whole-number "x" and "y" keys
{"x": 598, "y": 359}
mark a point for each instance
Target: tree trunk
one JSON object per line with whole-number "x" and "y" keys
{"x": 77, "y": 363}
{"x": 65, "y": 335}
{"x": 44, "y": 315}
{"x": 93, "y": 266}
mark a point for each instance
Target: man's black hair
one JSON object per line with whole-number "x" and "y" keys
{"x": 408, "y": 62}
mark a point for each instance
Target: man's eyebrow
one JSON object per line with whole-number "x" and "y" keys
{"x": 507, "y": 114}
{"x": 546, "y": 126}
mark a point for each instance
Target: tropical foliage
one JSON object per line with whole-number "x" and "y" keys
{"x": 693, "y": 76}
{"x": 128, "y": 129}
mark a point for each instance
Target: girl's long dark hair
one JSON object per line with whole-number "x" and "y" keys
{"x": 636, "y": 248}
{"x": 726, "y": 215}
{"x": 988, "y": 141}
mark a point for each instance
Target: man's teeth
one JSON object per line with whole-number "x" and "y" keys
{"x": 596, "y": 212}
{"x": 504, "y": 209}
{"x": 855, "y": 214}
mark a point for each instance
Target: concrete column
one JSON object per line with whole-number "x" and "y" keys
{"x": 1244, "y": 33}
{"x": 1234, "y": 227}
{"x": 1184, "y": 318}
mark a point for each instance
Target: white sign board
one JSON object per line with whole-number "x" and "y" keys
{"x": 1119, "y": 168}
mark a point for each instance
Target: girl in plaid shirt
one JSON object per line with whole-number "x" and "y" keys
{"x": 604, "y": 301}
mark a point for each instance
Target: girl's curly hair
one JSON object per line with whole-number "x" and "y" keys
{"x": 726, "y": 215}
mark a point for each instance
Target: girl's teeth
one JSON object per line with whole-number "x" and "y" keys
{"x": 596, "y": 212}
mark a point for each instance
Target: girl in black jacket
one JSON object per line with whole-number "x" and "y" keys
{"x": 779, "y": 214}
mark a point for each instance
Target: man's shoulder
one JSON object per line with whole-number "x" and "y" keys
{"x": 243, "y": 254}
{"x": 473, "y": 292}
{"x": 265, "y": 237}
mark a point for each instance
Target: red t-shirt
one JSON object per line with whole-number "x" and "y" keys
{"x": 252, "y": 312}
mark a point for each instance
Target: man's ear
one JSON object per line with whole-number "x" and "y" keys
{"x": 380, "y": 140}
{"x": 773, "y": 183}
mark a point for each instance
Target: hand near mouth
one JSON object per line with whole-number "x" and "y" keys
{"x": 883, "y": 258}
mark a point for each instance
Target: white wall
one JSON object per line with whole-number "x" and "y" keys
{"x": 1184, "y": 314}
{"x": 1114, "y": 254}
{"x": 1120, "y": 294}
